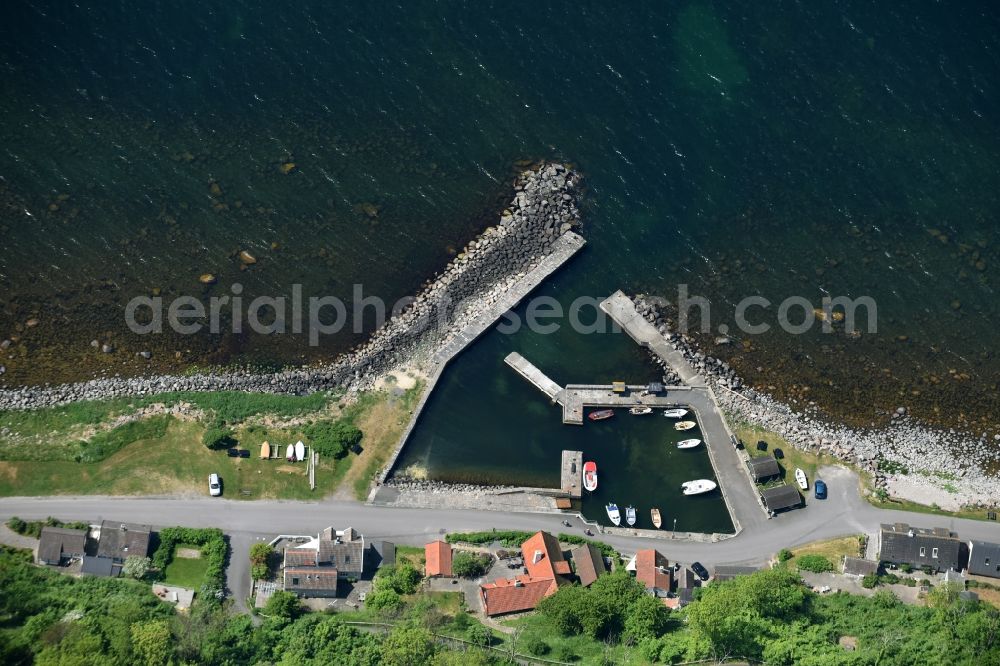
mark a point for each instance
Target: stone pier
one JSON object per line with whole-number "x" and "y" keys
{"x": 571, "y": 473}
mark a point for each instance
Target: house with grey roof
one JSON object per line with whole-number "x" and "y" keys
{"x": 937, "y": 548}
{"x": 316, "y": 568}
{"x": 859, "y": 566}
{"x": 780, "y": 498}
{"x": 763, "y": 468}
{"x": 984, "y": 559}
{"x": 58, "y": 546}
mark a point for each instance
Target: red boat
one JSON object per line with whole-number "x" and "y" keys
{"x": 590, "y": 476}
{"x": 601, "y": 414}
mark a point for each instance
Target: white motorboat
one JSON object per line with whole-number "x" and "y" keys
{"x": 698, "y": 486}
{"x": 675, "y": 413}
{"x": 613, "y": 513}
{"x": 640, "y": 411}
{"x": 630, "y": 515}
{"x": 800, "y": 478}
{"x": 590, "y": 475}
{"x": 684, "y": 425}
{"x": 688, "y": 443}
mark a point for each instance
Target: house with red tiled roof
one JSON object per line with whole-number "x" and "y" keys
{"x": 437, "y": 555}
{"x": 547, "y": 570}
{"x": 652, "y": 570}
{"x": 515, "y": 595}
{"x": 543, "y": 557}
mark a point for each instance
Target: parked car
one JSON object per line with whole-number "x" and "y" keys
{"x": 820, "y": 489}
{"x": 214, "y": 485}
{"x": 699, "y": 570}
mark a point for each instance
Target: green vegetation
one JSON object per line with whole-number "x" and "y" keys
{"x": 237, "y": 406}
{"x": 506, "y": 538}
{"x": 784, "y": 555}
{"x": 814, "y": 563}
{"x": 136, "y": 567}
{"x": 470, "y": 565}
{"x": 333, "y": 438}
{"x": 33, "y": 528}
{"x": 260, "y": 557}
{"x": 213, "y": 549}
{"x": 218, "y": 437}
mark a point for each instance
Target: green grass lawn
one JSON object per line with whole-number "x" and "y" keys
{"x": 186, "y": 572}
{"x": 832, "y": 549}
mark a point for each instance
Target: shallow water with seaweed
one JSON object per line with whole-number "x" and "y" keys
{"x": 738, "y": 148}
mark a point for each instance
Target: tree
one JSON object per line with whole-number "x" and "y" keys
{"x": 480, "y": 635}
{"x": 218, "y": 437}
{"x": 384, "y": 599}
{"x": 870, "y": 581}
{"x": 283, "y": 605}
{"x": 136, "y": 567}
{"x": 466, "y": 564}
{"x": 152, "y": 642}
{"x": 333, "y": 438}
{"x": 784, "y": 555}
{"x": 407, "y": 646}
{"x": 403, "y": 578}
{"x": 647, "y": 618}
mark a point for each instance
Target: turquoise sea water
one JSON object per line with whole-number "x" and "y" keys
{"x": 779, "y": 149}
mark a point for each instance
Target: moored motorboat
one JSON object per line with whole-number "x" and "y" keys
{"x": 654, "y": 513}
{"x": 698, "y": 486}
{"x": 675, "y": 413}
{"x": 613, "y": 513}
{"x": 601, "y": 414}
{"x": 630, "y": 515}
{"x": 800, "y": 478}
{"x": 688, "y": 443}
{"x": 640, "y": 411}
{"x": 684, "y": 425}
{"x": 590, "y": 475}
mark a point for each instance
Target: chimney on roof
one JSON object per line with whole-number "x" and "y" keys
{"x": 518, "y": 583}
{"x": 537, "y": 557}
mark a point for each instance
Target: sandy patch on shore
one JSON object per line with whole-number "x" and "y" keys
{"x": 927, "y": 491}
{"x": 404, "y": 379}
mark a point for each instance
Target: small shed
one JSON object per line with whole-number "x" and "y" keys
{"x": 780, "y": 498}
{"x": 763, "y": 468}
{"x": 618, "y": 387}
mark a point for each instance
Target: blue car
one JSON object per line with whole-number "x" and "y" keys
{"x": 820, "y": 488}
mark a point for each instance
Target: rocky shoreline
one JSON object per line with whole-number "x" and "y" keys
{"x": 543, "y": 209}
{"x": 907, "y": 459}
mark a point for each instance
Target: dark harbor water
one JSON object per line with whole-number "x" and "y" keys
{"x": 740, "y": 148}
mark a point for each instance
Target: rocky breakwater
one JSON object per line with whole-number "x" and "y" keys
{"x": 469, "y": 288}
{"x": 906, "y": 459}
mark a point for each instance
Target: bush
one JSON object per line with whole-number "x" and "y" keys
{"x": 384, "y": 599}
{"x": 218, "y": 437}
{"x": 870, "y": 581}
{"x": 402, "y": 578}
{"x": 784, "y": 555}
{"x": 332, "y": 438}
{"x": 33, "y": 528}
{"x": 471, "y": 565}
{"x": 814, "y": 563}
{"x": 535, "y": 646}
{"x": 260, "y": 554}
{"x": 906, "y": 567}
{"x": 213, "y": 548}
{"x": 136, "y": 567}
{"x": 480, "y": 635}
{"x": 283, "y": 605}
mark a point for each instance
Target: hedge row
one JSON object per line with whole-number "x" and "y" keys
{"x": 33, "y": 528}
{"x": 213, "y": 548}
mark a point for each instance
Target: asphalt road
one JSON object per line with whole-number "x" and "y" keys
{"x": 844, "y": 513}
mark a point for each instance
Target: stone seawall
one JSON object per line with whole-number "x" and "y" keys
{"x": 470, "y": 288}
{"x": 936, "y": 474}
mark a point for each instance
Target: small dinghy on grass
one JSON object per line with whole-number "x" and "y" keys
{"x": 654, "y": 513}
{"x": 675, "y": 413}
{"x": 630, "y": 515}
{"x": 290, "y": 453}
{"x": 590, "y": 475}
{"x": 800, "y": 478}
{"x": 688, "y": 443}
{"x": 613, "y": 513}
{"x": 684, "y": 425}
{"x": 698, "y": 486}
{"x": 640, "y": 411}
{"x": 300, "y": 450}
